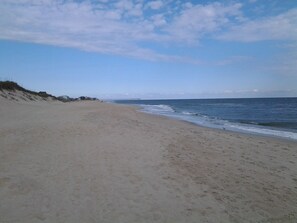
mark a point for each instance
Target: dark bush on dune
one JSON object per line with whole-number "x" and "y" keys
{"x": 12, "y": 86}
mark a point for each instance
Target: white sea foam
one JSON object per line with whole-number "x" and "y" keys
{"x": 264, "y": 131}
{"x": 157, "y": 109}
{"x": 188, "y": 113}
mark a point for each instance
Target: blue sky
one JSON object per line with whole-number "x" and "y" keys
{"x": 151, "y": 49}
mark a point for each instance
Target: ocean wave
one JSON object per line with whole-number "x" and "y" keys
{"x": 264, "y": 131}
{"x": 190, "y": 113}
{"x": 224, "y": 104}
{"x": 292, "y": 125}
{"x": 157, "y": 108}
{"x": 215, "y": 122}
{"x": 284, "y": 125}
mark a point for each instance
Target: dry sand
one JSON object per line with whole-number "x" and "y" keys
{"x": 97, "y": 162}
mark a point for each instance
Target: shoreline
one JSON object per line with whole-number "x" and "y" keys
{"x": 90, "y": 162}
{"x": 233, "y": 129}
{"x": 246, "y": 133}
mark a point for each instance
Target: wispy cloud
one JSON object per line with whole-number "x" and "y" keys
{"x": 280, "y": 27}
{"x": 232, "y": 60}
{"x": 121, "y": 27}
{"x": 155, "y": 4}
{"x": 197, "y": 21}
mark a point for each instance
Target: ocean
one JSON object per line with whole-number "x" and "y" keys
{"x": 266, "y": 116}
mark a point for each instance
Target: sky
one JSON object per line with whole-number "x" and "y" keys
{"x": 123, "y": 49}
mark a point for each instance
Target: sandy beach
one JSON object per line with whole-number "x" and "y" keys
{"x": 99, "y": 162}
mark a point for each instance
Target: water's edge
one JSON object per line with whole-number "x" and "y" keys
{"x": 165, "y": 110}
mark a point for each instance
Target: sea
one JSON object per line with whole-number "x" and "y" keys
{"x": 275, "y": 117}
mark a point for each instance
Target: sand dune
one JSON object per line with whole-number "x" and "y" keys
{"x": 98, "y": 162}
{"x": 11, "y": 91}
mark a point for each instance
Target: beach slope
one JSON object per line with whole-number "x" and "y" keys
{"x": 99, "y": 162}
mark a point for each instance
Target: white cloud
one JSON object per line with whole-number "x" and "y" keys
{"x": 158, "y": 20}
{"x": 120, "y": 27}
{"x": 281, "y": 27}
{"x": 113, "y": 14}
{"x": 124, "y": 5}
{"x": 155, "y": 4}
{"x": 188, "y": 5}
{"x": 196, "y": 21}
{"x": 232, "y": 60}
{"x": 136, "y": 10}
{"x": 74, "y": 25}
